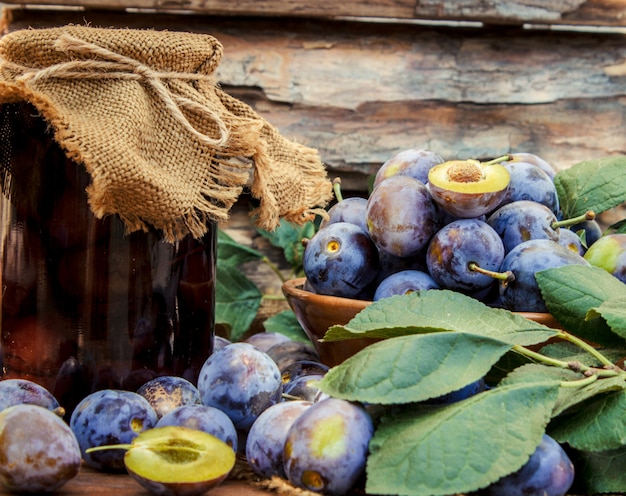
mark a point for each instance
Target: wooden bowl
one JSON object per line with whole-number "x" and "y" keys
{"x": 316, "y": 313}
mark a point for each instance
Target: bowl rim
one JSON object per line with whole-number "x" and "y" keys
{"x": 294, "y": 288}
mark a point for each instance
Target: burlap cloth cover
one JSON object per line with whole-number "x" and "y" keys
{"x": 164, "y": 146}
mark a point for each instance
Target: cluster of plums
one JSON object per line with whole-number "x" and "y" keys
{"x": 480, "y": 228}
{"x": 255, "y": 400}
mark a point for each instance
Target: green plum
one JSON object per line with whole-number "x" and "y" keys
{"x": 609, "y": 253}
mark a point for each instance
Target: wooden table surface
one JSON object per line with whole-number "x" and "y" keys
{"x": 92, "y": 483}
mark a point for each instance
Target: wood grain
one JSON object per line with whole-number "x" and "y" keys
{"x": 568, "y": 12}
{"x": 92, "y": 483}
{"x": 360, "y": 92}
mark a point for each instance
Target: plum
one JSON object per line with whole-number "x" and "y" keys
{"x": 265, "y": 340}
{"x": 403, "y": 282}
{"x": 522, "y": 294}
{"x": 326, "y": 446}
{"x": 242, "y": 381}
{"x": 351, "y": 210}
{"x": 529, "y": 182}
{"x": 401, "y": 216}
{"x": 548, "y": 472}
{"x": 340, "y": 259}
{"x": 38, "y": 450}
{"x": 609, "y": 253}
{"x": 108, "y": 417}
{"x": 164, "y": 393}
{"x": 465, "y": 255}
{"x": 204, "y": 418}
{"x": 23, "y": 391}
{"x": 412, "y": 162}
{"x": 266, "y": 439}
{"x": 175, "y": 461}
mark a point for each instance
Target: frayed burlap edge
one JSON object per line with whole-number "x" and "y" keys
{"x": 249, "y": 142}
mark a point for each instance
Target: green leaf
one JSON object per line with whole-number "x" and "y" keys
{"x": 598, "y": 425}
{"x": 439, "y": 310}
{"x": 618, "y": 228}
{"x": 596, "y": 185}
{"x": 237, "y": 300}
{"x": 230, "y": 252}
{"x": 571, "y": 291}
{"x": 460, "y": 447}
{"x": 288, "y": 237}
{"x": 413, "y": 368}
{"x": 286, "y": 323}
{"x": 602, "y": 472}
{"x": 613, "y": 311}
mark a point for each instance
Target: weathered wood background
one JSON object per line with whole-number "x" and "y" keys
{"x": 361, "y": 80}
{"x": 361, "y": 89}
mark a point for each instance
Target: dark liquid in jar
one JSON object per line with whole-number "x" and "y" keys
{"x": 86, "y": 306}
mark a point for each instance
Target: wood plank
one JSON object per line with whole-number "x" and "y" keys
{"x": 564, "y": 12}
{"x": 360, "y": 92}
{"x": 594, "y": 12}
{"x": 93, "y": 483}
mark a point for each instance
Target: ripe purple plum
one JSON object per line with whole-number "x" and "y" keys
{"x": 340, "y": 259}
{"x": 531, "y": 158}
{"x": 529, "y": 182}
{"x": 401, "y": 217}
{"x": 301, "y": 368}
{"x": 609, "y": 253}
{"x": 265, "y": 340}
{"x": 287, "y": 353}
{"x": 203, "y": 418}
{"x": 521, "y": 293}
{"x": 350, "y": 210}
{"x": 242, "y": 381}
{"x": 38, "y": 451}
{"x": 108, "y": 417}
{"x": 403, "y": 282}
{"x": 591, "y": 231}
{"x": 326, "y": 447}
{"x": 411, "y": 162}
{"x": 571, "y": 240}
{"x": 548, "y": 472}
{"x": 266, "y": 439}
{"x": 23, "y": 391}
{"x": 523, "y": 220}
{"x": 465, "y": 255}
{"x": 167, "y": 392}
{"x": 305, "y": 388}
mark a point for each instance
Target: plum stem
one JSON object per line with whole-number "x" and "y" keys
{"x": 503, "y": 158}
{"x": 108, "y": 447}
{"x": 566, "y": 336}
{"x": 501, "y": 276}
{"x": 337, "y": 189}
{"x": 575, "y": 366}
{"x": 588, "y": 215}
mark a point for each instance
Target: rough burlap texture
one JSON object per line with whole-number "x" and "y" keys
{"x": 164, "y": 145}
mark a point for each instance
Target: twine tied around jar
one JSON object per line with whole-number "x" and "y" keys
{"x": 114, "y": 65}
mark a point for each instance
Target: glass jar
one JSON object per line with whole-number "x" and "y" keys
{"x": 85, "y": 305}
